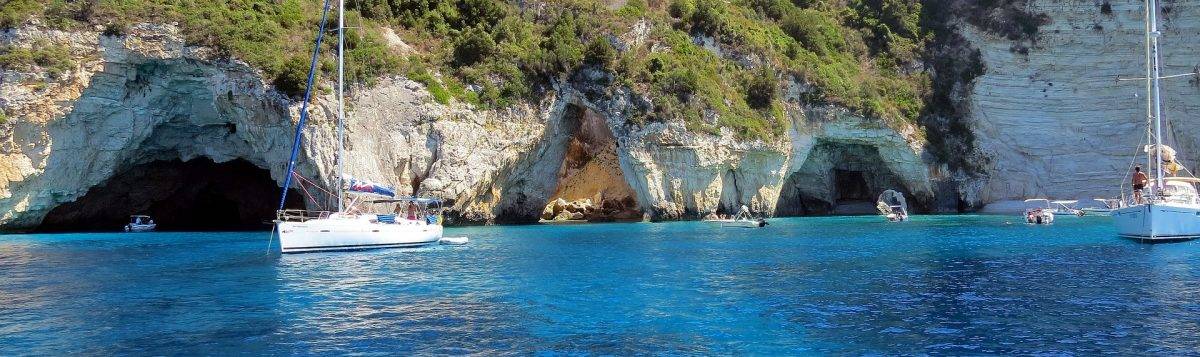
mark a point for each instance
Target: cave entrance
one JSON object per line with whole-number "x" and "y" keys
{"x": 837, "y": 178}
{"x": 852, "y": 193}
{"x": 850, "y": 186}
{"x": 591, "y": 185}
{"x": 194, "y": 195}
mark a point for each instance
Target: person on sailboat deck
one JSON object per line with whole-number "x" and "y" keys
{"x": 1139, "y": 183}
{"x": 412, "y": 211}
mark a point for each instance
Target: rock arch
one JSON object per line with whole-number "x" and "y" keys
{"x": 574, "y": 173}
{"x": 845, "y": 161}
{"x": 212, "y": 129}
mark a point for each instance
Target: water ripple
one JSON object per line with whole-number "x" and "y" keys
{"x": 945, "y": 285}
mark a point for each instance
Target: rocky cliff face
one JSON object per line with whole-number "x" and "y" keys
{"x": 146, "y": 102}
{"x": 1054, "y": 119}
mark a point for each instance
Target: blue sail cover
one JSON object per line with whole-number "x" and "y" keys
{"x": 370, "y": 187}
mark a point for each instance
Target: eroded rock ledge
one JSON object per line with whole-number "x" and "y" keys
{"x": 146, "y": 98}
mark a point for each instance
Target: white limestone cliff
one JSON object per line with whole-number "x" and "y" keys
{"x": 146, "y": 97}
{"x": 1056, "y": 123}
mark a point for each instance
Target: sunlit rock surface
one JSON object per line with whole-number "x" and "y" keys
{"x": 146, "y": 98}
{"x": 1056, "y": 123}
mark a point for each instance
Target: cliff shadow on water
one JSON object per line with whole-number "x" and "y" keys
{"x": 574, "y": 174}
{"x": 194, "y": 195}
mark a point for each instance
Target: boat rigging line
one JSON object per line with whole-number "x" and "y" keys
{"x": 1193, "y": 74}
{"x": 312, "y": 73}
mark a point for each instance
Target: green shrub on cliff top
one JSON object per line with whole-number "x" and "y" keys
{"x": 293, "y": 77}
{"x": 495, "y": 53}
{"x": 473, "y": 46}
{"x": 814, "y": 31}
{"x": 600, "y": 52}
{"x": 55, "y": 60}
{"x": 15, "y": 12}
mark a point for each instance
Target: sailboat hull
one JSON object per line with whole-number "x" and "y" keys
{"x": 1161, "y": 222}
{"x": 333, "y": 234}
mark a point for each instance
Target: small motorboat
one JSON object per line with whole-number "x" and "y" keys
{"x": 742, "y": 220}
{"x": 1039, "y": 216}
{"x": 745, "y": 223}
{"x": 140, "y": 224}
{"x": 1039, "y": 211}
{"x": 1103, "y": 207}
{"x": 1066, "y": 207}
{"x": 891, "y": 205}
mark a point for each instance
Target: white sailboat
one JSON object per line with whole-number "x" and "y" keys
{"x": 1169, "y": 209}
{"x": 413, "y": 221}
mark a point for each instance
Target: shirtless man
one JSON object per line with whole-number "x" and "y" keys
{"x": 1139, "y": 182}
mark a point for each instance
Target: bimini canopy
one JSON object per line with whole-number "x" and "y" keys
{"x": 364, "y": 186}
{"x": 1038, "y": 203}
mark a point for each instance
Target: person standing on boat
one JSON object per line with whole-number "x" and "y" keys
{"x": 412, "y": 211}
{"x": 1139, "y": 182}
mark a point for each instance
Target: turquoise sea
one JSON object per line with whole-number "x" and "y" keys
{"x": 938, "y": 284}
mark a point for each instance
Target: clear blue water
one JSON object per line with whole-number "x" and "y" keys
{"x": 944, "y": 284}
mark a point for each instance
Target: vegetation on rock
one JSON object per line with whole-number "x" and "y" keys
{"x": 55, "y": 60}
{"x": 709, "y": 63}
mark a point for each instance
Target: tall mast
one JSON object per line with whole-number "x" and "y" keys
{"x": 341, "y": 109}
{"x": 1149, "y": 90}
{"x": 1152, "y": 9}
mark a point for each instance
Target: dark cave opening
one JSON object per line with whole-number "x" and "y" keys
{"x": 837, "y": 178}
{"x": 196, "y": 195}
{"x": 850, "y": 186}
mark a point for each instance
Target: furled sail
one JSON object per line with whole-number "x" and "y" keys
{"x": 1168, "y": 158}
{"x": 364, "y": 186}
